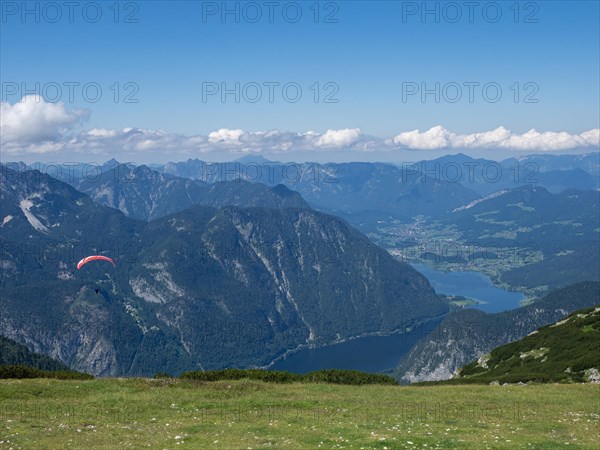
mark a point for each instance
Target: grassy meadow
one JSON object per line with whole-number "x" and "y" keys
{"x": 244, "y": 414}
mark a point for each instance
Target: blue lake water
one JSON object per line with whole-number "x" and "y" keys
{"x": 379, "y": 353}
{"x": 472, "y": 285}
{"x": 369, "y": 354}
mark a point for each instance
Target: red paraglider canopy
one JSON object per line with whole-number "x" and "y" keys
{"x": 93, "y": 258}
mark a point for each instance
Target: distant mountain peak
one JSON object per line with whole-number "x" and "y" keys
{"x": 111, "y": 163}
{"x": 255, "y": 159}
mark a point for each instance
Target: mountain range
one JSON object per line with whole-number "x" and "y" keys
{"x": 485, "y": 176}
{"x": 223, "y": 264}
{"x": 343, "y": 189}
{"x": 143, "y": 193}
{"x": 362, "y": 193}
{"x": 201, "y": 288}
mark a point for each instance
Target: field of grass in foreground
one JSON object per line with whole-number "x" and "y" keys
{"x": 175, "y": 414}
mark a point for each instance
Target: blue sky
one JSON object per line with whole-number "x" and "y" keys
{"x": 365, "y": 56}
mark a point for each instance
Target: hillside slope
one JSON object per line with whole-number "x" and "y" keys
{"x": 467, "y": 334}
{"x": 561, "y": 229}
{"x": 566, "y": 351}
{"x": 13, "y": 353}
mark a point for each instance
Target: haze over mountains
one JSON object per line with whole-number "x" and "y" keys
{"x": 554, "y": 172}
{"x": 361, "y": 192}
{"x": 347, "y": 189}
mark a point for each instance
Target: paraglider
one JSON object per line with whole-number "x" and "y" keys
{"x": 87, "y": 259}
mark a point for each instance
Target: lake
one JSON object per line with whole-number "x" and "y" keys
{"x": 369, "y": 354}
{"x": 379, "y": 353}
{"x": 473, "y": 285}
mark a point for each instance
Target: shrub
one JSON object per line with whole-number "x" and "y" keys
{"x": 238, "y": 374}
{"x": 335, "y": 376}
{"x": 162, "y": 375}
{"x": 354, "y": 377}
{"x": 22, "y": 371}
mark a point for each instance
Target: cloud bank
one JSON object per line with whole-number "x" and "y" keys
{"x": 440, "y": 138}
{"x": 35, "y": 126}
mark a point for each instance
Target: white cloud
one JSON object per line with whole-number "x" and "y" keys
{"x": 481, "y": 140}
{"x": 338, "y": 138}
{"x": 35, "y": 126}
{"x": 436, "y": 137}
{"x": 102, "y": 132}
{"x": 225, "y": 136}
{"x": 501, "y": 138}
{"x": 33, "y": 120}
{"x": 592, "y": 137}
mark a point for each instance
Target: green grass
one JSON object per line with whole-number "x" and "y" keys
{"x": 172, "y": 414}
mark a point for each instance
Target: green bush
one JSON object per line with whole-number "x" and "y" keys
{"x": 354, "y": 377}
{"x": 21, "y": 371}
{"x": 162, "y": 375}
{"x": 238, "y": 374}
{"x": 335, "y": 376}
